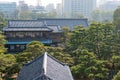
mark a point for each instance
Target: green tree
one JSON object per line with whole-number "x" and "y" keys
{"x": 59, "y": 54}
{"x": 89, "y": 67}
{"x": 77, "y": 39}
{"x": 99, "y": 38}
{"x": 116, "y": 18}
{"x": 2, "y": 21}
{"x": 102, "y": 16}
{"x": 33, "y": 50}
{"x": 117, "y": 77}
{"x": 2, "y": 42}
{"x": 66, "y": 34}
{"x": 6, "y": 61}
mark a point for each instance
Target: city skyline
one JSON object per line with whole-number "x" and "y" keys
{"x": 46, "y": 2}
{"x": 31, "y": 2}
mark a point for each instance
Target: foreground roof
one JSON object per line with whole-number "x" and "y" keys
{"x": 45, "y": 67}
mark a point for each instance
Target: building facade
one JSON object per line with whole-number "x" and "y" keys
{"x": 23, "y": 6}
{"x": 8, "y": 8}
{"x": 19, "y": 33}
{"x": 71, "y": 8}
{"x": 59, "y": 10}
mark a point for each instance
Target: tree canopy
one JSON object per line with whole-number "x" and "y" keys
{"x": 116, "y": 18}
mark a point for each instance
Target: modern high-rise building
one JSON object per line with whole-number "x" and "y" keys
{"x": 59, "y": 10}
{"x": 7, "y": 8}
{"x": 78, "y": 7}
{"x": 23, "y": 6}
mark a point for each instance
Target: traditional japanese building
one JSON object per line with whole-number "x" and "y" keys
{"x": 45, "y": 67}
{"x": 46, "y": 30}
{"x": 21, "y": 32}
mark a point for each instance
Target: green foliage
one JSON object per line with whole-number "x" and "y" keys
{"x": 100, "y": 40}
{"x": 59, "y": 54}
{"x": 66, "y": 34}
{"x": 27, "y": 15}
{"x": 6, "y": 62}
{"x": 102, "y": 16}
{"x": 2, "y": 21}
{"x": 33, "y": 50}
{"x": 88, "y": 67}
{"x": 116, "y": 18}
{"x": 117, "y": 77}
{"x": 93, "y": 53}
{"x": 116, "y": 62}
{"x": 76, "y": 39}
{"x": 2, "y": 42}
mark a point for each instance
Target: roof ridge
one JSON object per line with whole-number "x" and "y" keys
{"x": 45, "y": 63}
{"x": 45, "y": 55}
{"x": 32, "y": 61}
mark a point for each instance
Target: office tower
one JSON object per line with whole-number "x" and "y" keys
{"x": 78, "y": 7}
{"x": 23, "y": 6}
{"x": 59, "y": 10}
{"x": 7, "y": 8}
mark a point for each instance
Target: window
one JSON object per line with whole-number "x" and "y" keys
{"x": 12, "y": 47}
{"x": 22, "y": 47}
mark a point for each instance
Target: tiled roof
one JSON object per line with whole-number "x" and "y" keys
{"x": 26, "y": 29}
{"x": 55, "y": 28}
{"x": 26, "y": 23}
{"x": 44, "y": 22}
{"x": 45, "y": 67}
{"x": 70, "y": 22}
{"x": 30, "y": 25}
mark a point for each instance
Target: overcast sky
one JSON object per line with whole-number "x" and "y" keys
{"x": 34, "y": 2}
{"x": 44, "y": 2}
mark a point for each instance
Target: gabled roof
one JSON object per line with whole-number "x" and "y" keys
{"x": 30, "y": 25}
{"x": 70, "y": 22}
{"x": 45, "y": 67}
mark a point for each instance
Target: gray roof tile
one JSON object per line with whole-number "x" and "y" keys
{"x": 27, "y": 29}
{"x": 45, "y": 67}
{"x": 30, "y": 25}
{"x": 70, "y": 22}
{"x": 26, "y": 23}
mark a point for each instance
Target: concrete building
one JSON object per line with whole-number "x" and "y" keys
{"x": 59, "y": 10}
{"x": 23, "y": 6}
{"x": 77, "y": 7}
{"x": 8, "y": 8}
{"x": 109, "y": 5}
